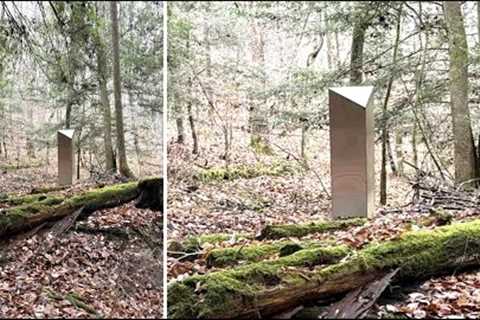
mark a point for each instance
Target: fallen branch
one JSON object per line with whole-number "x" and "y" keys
{"x": 74, "y": 299}
{"x": 66, "y": 223}
{"x": 359, "y": 301}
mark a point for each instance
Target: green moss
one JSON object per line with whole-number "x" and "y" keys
{"x": 260, "y": 146}
{"x": 181, "y": 301}
{"x": 105, "y": 194}
{"x": 39, "y": 190}
{"x": 18, "y": 215}
{"x": 28, "y": 199}
{"x": 419, "y": 254}
{"x": 245, "y": 171}
{"x": 221, "y": 290}
{"x": 222, "y": 257}
{"x": 301, "y": 230}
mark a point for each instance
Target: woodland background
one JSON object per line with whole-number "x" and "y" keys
{"x": 94, "y": 248}
{"x": 248, "y": 139}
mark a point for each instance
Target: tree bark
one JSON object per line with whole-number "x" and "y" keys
{"x": 464, "y": 148}
{"x": 191, "y": 120}
{"x": 151, "y": 194}
{"x": 356, "y": 58}
{"x": 102, "y": 77}
{"x": 266, "y": 288}
{"x": 257, "y": 120}
{"x": 399, "y": 150}
{"x": 117, "y": 89}
{"x": 383, "y": 173}
{"x": 33, "y": 210}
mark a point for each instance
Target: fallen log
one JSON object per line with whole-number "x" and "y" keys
{"x": 29, "y": 199}
{"x": 266, "y": 288}
{"x": 223, "y": 257}
{"x": 47, "y": 189}
{"x": 52, "y": 208}
{"x": 151, "y": 194}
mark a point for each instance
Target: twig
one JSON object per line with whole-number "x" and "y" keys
{"x": 302, "y": 163}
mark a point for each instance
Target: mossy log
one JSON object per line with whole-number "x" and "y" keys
{"x": 266, "y": 288}
{"x": 151, "y": 194}
{"x": 32, "y": 198}
{"x": 300, "y": 230}
{"x": 37, "y": 190}
{"x": 51, "y": 208}
{"x": 223, "y": 257}
{"x": 274, "y": 232}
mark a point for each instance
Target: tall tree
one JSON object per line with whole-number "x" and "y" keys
{"x": 358, "y": 40}
{"x": 258, "y": 119}
{"x": 102, "y": 77}
{"x": 122, "y": 155}
{"x": 465, "y": 158}
{"x": 385, "y": 135}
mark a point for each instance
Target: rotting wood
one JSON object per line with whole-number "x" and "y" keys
{"x": 269, "y": 287}
{"x": 357, "y": 302}
{"x": 53, "y": 208}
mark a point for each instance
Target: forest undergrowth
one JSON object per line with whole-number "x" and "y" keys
{"x": 231, "y": 213}
{"x": 109, "y": 265}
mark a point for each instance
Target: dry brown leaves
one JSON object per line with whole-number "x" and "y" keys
{"x": 118, "y": 279}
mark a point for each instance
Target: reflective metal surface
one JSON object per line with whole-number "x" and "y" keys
{"x": 65, "y": 156}
{"x": 352, "y": 151}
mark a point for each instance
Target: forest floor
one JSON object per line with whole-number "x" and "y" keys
{"x": 80, "y": 275}
{"x": 244, "y": 206}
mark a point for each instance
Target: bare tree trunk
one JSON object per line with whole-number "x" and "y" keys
{"x": 191, "y": 120}
{"x": 391, "y": 159}
{"x": 399, "y": 150}
{"x": 356, "y": 58}
{"x": 383, "y": 173}
{"x": 331, "y": 49}
{"x": 258, "y": 120}
{"x": 102, "y": 77}
{"x": 478, "y": 20}
{"x": 30, "y": 146}
{"x": 179, "y": 120}
{"x": 464, "y": 148}
{"x": 136, "y": 143}
{"x": 304, "y": 142}
{"x": 117, "y": 89}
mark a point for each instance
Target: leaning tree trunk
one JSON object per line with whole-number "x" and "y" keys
{"x": 464, "y": 149}
{"x": 262, "y": 289}
{"x": 122, "y": 155}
